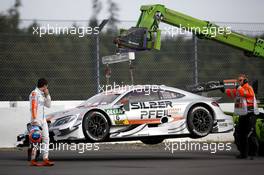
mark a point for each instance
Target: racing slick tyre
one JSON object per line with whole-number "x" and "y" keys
{"x": 95, "y": 126}
{"x": 199, "y": 121}
{"x": 152, "y": 141}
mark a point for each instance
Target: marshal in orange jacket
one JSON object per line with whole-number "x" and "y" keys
{"x": 245, "y": 100}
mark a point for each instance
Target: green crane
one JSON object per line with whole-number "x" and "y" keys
{"x": 147, "y": 35}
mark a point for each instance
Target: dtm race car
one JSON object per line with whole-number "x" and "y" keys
{"x": 150, "y": 113}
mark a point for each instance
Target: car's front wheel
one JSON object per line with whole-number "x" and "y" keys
{"x": 199, "y": 121}
{"x": 95, "y": 126}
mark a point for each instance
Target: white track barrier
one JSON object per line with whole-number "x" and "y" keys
{"x": 14, "y": 119}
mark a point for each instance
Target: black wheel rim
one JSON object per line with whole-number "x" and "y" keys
{"x": 201, "y": 121}
{"x": 96, "y": 126}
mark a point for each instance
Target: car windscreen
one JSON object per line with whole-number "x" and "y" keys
{"x": 100, "y": 99}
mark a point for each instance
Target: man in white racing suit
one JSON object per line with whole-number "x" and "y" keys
{"x": 39, "y": 99}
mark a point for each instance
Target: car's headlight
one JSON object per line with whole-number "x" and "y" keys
{"x": 64, "y": 120}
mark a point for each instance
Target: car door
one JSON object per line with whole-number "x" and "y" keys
{"x": 176, "y": 107}
{"x": 142, "y": 107}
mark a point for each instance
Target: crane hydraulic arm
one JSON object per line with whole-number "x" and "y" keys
{"x": 147, "y": 35}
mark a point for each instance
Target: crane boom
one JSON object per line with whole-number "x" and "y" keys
{"x": 146, "y": 34}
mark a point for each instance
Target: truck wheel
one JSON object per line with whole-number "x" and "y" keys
{"x": 199, "y": 121}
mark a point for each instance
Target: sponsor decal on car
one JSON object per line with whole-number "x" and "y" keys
{"x": 159, "y": 113}
{"x": 150, "y": 105}
{"x": 114, "y": 111}
{"x": 157, "y": 109}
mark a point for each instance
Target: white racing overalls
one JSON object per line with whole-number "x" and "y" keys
{"x": 38, "y": 102}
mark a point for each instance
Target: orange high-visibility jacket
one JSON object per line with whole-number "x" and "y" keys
{"x": 245, "y": 100}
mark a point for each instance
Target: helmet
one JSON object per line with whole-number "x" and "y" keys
{"x": 35, "y": 134}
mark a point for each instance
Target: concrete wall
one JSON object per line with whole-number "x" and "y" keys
{"x": 15, "y": 115}
{"x": 14, "y": 119}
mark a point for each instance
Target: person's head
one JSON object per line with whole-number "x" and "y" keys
{"x": 242, "y": 79}
{"x": 42, "y": 84}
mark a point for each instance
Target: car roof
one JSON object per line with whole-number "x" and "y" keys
{"x": 123, "y": 90}
{"x": 126, "y": 88}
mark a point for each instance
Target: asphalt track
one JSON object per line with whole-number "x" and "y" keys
{"x": 133, "y": 159}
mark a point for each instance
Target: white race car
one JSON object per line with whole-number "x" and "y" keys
{"x": 150, "y": 113}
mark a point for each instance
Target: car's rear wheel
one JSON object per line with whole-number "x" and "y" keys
{"x": 199, "y": 121}
{"x": 95, "y": 126}
{"x": 152, "y": 141}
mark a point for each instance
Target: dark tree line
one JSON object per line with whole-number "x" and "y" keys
{"x": 69, "y": 61}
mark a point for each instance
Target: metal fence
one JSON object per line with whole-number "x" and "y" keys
{"x": 70, "y": 62}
